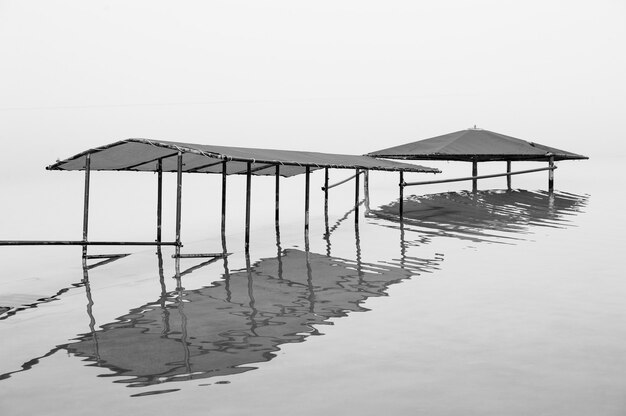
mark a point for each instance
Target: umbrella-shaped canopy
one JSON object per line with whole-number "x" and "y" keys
{"x": 474, "y": 145}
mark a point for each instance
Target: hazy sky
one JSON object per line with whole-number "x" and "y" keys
{"x": 345, "y": 76}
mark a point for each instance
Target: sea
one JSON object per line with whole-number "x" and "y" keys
{"x": 486, "y": 302}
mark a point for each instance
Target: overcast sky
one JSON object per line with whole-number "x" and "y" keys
{"x": 346, "y": 76}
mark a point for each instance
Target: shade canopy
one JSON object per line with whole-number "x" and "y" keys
{"x": 474, "y": 145}
{"x": 144, "y": 155}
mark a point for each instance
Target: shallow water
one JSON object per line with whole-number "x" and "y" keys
{"x": 490, "y": 303}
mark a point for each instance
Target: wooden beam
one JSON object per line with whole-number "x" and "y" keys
{"x": 147, "y": 161}
{"x": 327, "y": 187}
{"x": 468, "y": 178}
{"x": 208, "y": 165}
{"x": 258, "y": 168}
{"x": 106, "y": 256}
{"x": 84, "y": 243}
{"x": 200, "y": 255}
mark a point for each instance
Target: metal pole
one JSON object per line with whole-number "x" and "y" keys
{"x": 474, "y": 173}
{"x": 339, "y": 183}
{"x": 159, "y": 198}
{"x": 495, "y": 175}
{"x": 401, "y": 195}
{"x": 366, "y": 190}
{"x": 248, "y": 186}
{"x": 277, "y": 204}
{"x": 307, "y": 183}
{"x": 223, "y": 228}
{"x": 82, "y": 243}
{"x": 86, "y": 201}
{"x": 326, "y": 198}
{"x": 224, "y": 197}
{"x": 508, "y": 177}
{"x": 551, "y": 174}
{"x": 179, "y": 194}
{"x": 356, "y": 198}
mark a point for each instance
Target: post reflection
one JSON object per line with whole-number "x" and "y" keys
{"x": 224, "y": 328}
{"x": 92, "y": 320}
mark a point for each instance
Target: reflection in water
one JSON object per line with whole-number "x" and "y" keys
{"x": 486, "y": 215}
{"x": 244, "y": 318}
{"x": 221, "y": 329}
{"x": 12, "y": 303}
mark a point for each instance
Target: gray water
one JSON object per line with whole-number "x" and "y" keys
{"x": 498, "y": 302}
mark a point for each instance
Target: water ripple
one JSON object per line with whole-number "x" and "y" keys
{"x": 494, "y": 216}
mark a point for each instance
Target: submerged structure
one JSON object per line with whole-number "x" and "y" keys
{"x": 477, "y": 145}
{"x": 143, "y": 155}
{"x": 159, "y": 156}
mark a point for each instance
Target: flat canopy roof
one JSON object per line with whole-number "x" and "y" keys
{"x": 142, "y": 155}
{"x": 474, "y": 145}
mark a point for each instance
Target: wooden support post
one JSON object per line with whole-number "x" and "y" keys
{"x": 248, "y": 192}
{"x": 474, "y": 173}
{"x": 401, "y": 206}
{"x": 325, "y": 189}
{"x": 551, "y": 174}
{"x": 223, "y": 197}
{"x": 277, "y": 213}
{"x": 508, "y": 177}
{"x": 159, "y": 198}
{"x": 326, "y": 197}
{"x": 402, "y": 246}
{"x": 179, "y": 195}
{"x": 366, "y": 190}
{"x": 223, "y": 225}
{"x": 356, "y": 198}
{"x": 277, "y": 203}
{"x": 307, "y": 186}
{"x": 86, "y": 202}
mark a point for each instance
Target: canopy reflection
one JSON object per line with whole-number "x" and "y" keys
{"x": 240, "y": 320}
{"x": 490, "y": 215}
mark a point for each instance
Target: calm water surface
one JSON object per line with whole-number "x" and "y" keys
{"x": 489, "y": 303}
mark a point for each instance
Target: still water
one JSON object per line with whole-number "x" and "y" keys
{"x": 495, "y": 302}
